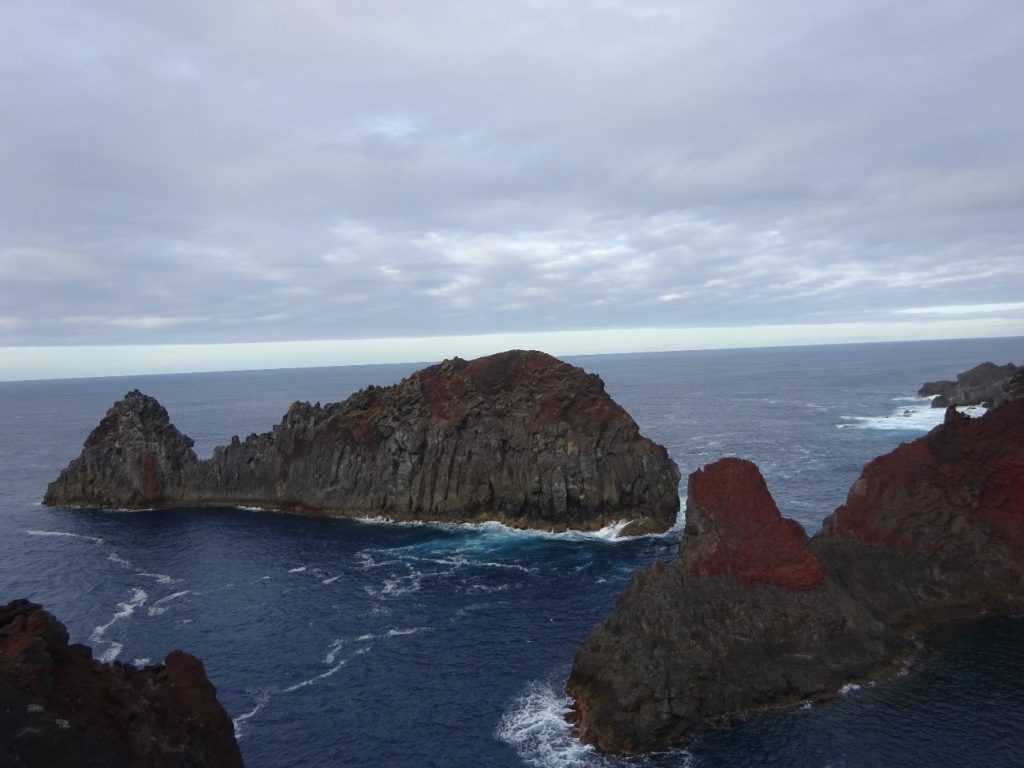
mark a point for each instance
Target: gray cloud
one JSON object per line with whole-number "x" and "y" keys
{"x": 219, "y": 172}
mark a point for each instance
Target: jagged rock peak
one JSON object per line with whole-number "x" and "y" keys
{"x": 734, "y": 527}
{"x": 59, "y": 706}
{"x": 519, "y": 437}
{"x": 987, "y": 384}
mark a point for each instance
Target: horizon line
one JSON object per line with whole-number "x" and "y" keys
{"x": 41, "y": 363}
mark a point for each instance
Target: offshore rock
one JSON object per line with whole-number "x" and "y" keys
{"x": 59, "y": 707}
{"x": 987, "y": 384}
{"x": 754, "y": 615}
{"x": 518, "y": 437}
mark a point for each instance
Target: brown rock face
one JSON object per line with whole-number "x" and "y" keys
{"x": 753, "y": 614}
{"x": 519, "y": 437}
{"x": 61, "y": 707}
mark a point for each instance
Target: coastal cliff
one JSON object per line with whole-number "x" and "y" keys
{"x": 60, "y": 707}
{"x": 519, "y": 437}
{"x": 987, "y": 384}
{"x": 753, "y": 614}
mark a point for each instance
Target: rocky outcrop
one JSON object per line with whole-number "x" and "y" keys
{"x": 987, "y": 384}
{"x": 753, "y": 614}
{"x": 61, "y": 708}
{"x": 518, "y": 437}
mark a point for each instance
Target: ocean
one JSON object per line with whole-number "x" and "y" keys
{"x": 365, "y": 643}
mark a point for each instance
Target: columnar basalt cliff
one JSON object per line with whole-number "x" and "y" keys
{"x": 60, "y": 707}
{"x": 753, "y": 614}
{"x": 519, "y": 437}
{"x": 987, "y": 384}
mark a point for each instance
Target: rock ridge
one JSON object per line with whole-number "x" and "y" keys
{"x": 60, "y": 707}
{"x": 987, "y": 384}
{"x": 753, "y": 614}
{"x": 519, "y": 437}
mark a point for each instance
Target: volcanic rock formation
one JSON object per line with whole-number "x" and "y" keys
{"x": 987, "y": 384}
{"x": 753, "y": 614}
{"x": 518, "y": 437}
{"x": 61, "y": 708}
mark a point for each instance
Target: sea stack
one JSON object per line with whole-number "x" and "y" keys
{"x": 518, "y": 437}
{"x": 753, "y": 614}
{"x": 61, "y": 707}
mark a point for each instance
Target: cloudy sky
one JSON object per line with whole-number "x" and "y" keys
{"x": 214, "y": 172}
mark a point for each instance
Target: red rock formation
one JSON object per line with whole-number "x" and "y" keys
{"x": 753, "y": 614}
{"x": 61, "y": 703}
{"x": 735, "y": 528}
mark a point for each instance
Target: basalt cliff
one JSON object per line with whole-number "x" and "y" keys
{"x": 61, "y": 708}
{"x": 754, "y": 614}
{"x": 518, "y": 437}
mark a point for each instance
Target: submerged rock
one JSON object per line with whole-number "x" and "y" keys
{"x": 518, "y": 437}
{"x": 753, "y": 614}
{"x": 987, "y": 384}
{"x": 61, "y": 708}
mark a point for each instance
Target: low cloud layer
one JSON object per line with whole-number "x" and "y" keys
{"x": 199, "y": 172}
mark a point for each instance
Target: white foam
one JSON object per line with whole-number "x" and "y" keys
{"x": 364, "y": 638}
{"x": 409, "y": 631}
{"x": 124, "y": 610}
{"x": 331, "y": 580}
{"x": 313, "y": 680}
{"x": 849, "y": 688}
{"x": 141, "y": 662}
{"x": 158, "y": 608}
{"x": 536, "y": 728}
{"x": 332, "y": 653}
{"x": 93, "y": 539}
{"x": 300, "y": 569}
{"x": 917, "y": 415}
{"x": 116, "y": 558}
{"x": 160, "y": 578}
{"x": 261, "y": 699}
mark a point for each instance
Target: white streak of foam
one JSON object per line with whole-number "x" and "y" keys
{"x": 93, "y": 539}
{"x": 160, "y": 578}
{"x": 124, "y": 610}
{"x": 409, "y": 631}
{"x": 300, "y": 569}
{"x": 331, "y": 580}
{"x": 849, "y": 688}
{"x": 116, "y": 558}
{"x": 261, "y": 699}
{"x": 158, "y": 608}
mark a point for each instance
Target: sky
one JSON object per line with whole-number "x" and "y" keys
{"x": 215, "y": 182}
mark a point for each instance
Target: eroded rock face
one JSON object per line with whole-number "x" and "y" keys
{"x": 520, "y": 437}
{"x": 60, "y": 707}
{"x": 987, "y": 384}
{"x": 753, "y": 614}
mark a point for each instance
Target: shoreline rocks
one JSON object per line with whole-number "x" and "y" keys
{"x": 518, "y": 437}
{"x": 61, "y": 707}
{"x": 987, "y": 384}
{"x": 754, "y": 614}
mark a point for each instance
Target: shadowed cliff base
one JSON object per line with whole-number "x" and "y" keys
{"x": 754, "y": 614}
{"x": 518, "y": 437}
{"x": 61, "y": 708}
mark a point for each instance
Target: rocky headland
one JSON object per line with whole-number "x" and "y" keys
{"x": 987, "y": 384}
{"x": 518, "y": 437}
{"x": 61, "y": 708}
{"x": 754, "y": 614}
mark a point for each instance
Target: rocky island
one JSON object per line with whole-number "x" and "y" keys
{"x": 61, "y": 708}
{"x": 754, "y": 614}
{"x": 518, "y": 437}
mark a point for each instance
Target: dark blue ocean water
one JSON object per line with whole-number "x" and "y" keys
{"x": 346, "y": 643}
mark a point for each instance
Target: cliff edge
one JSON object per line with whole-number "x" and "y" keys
{"x": 753, "y": 614}
{"x": 60, "y": 707}
{"x": 518, "y": 437}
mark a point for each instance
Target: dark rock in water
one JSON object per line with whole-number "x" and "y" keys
{"x": 518, "y": 437}
{"x": 61, "y": 708}
{"x": 754, "y": 615}
{"x": 987, "y": 384}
